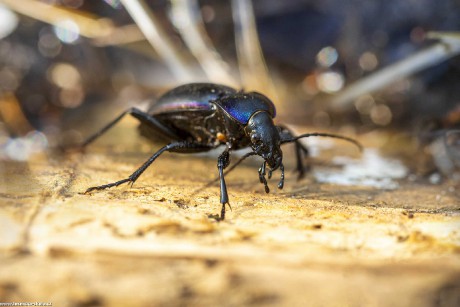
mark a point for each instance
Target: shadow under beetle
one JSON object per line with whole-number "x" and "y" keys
{"x": 198, "y": 117}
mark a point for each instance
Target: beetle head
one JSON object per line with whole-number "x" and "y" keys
{"x": 265, "y": 138}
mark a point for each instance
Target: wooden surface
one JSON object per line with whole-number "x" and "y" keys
{"x": 312, "y": 244}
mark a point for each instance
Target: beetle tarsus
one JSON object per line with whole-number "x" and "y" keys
{"x": 106, "y": 186}
{"x": 281, "y": 183}
{"x": 222, "y": 211}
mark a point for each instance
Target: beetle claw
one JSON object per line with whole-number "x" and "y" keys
{"x": 109, "y": 185}
{"x": 222, "y": 212}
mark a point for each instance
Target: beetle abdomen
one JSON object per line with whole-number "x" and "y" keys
{"x": 181, "y": 106}
{"x": 190, "y": 97}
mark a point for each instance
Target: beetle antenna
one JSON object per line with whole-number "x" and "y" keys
{"x": 328, "y": 135}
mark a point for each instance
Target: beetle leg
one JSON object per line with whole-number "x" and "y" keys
{"x": 231, "y": 168}
{"x": 281, "y": 183}
{"x": 222, "y": 162}
{"x": 134, "y": 176}
{"x": 139, "y": 115}
{"x": 300, "y": 168}
{"x": 262, "y": 172}
{"x": 262, "y": 177}
{"x": 300, "y": 151}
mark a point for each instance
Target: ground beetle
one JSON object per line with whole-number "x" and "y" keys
{"x": 198, "y": 117}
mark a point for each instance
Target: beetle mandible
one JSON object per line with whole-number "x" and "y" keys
{"x": 198, "y": 117}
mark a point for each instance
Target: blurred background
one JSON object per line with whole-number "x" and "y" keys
{"x": 68, "y": 66}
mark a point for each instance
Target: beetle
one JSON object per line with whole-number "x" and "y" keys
{"x": 199, "y": 117}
